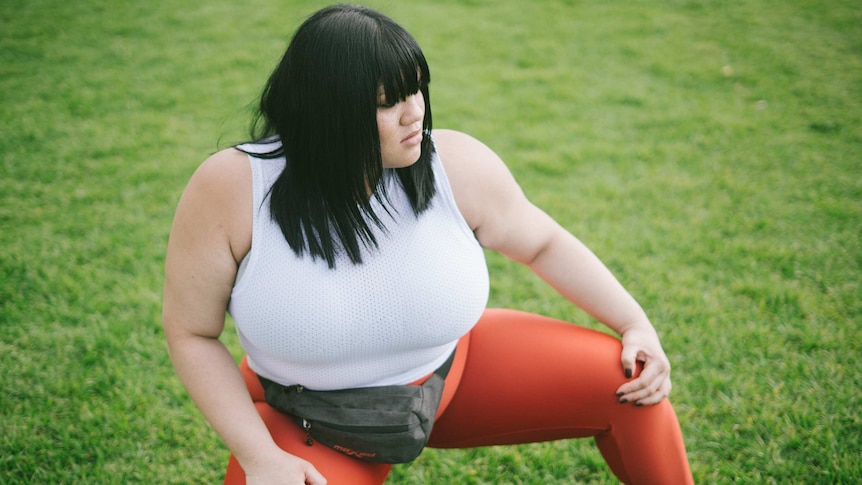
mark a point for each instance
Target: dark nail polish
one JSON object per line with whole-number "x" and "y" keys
{"x": 639, "y": 404}
{"x": 628, "y": 373}
{"x": 619, "y": 394}
{"x": 623, "y": 401}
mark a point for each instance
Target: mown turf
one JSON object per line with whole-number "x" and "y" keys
{"x": 709, "y": 152}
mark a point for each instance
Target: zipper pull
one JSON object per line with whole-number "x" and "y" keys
{"x": 306, "y": 425}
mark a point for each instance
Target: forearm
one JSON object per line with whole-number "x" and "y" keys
{"x": 576, "y": 273}
{"x": 214, "y": 382}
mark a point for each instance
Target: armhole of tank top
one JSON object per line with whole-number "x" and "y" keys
{"x": 246, "y": 265}
{"x": 442, "y": 181}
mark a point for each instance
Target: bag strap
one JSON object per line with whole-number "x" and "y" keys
{"x": 443, "y": 370}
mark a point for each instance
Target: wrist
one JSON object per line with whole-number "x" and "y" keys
{"x": 640, "y": 325}
{"x": 258, "y": 455}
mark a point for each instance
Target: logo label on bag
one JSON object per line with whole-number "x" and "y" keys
{"x": 357, "y": 454}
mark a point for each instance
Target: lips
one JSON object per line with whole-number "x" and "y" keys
{"x": 413, "y": 138}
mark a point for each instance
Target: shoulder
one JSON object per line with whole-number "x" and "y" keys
{"x": 218, "y": 198}
{"x": 224, "y": 176}
{"x": 491, "y": 201}
{"x": 457, "y": 148}
{"x": 222, "y": 167}
{"x": 466, "y": 158}
{"x": 479, "y": 178}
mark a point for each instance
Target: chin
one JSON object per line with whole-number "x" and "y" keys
{"x": 402, "y": 162}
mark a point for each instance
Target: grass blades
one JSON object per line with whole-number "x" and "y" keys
{"x": 709, "y": 152}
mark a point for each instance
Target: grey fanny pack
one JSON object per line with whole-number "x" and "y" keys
{"x": 386, "y": 424}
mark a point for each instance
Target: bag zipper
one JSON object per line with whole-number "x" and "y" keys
{"x": 306, "y": 425}
{"x": 395, "y": 428}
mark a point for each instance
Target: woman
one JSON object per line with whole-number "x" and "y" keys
{"x": 347, "y": 244}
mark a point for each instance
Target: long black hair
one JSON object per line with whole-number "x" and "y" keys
{"x": 321, "y": 103}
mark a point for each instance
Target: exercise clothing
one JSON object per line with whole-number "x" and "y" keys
{"x": 390, "y": 320}
{"x": 516, "y": 377}
{"x": 519, "y": 378}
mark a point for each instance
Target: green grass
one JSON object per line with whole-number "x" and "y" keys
{"x": 709, "y": 152}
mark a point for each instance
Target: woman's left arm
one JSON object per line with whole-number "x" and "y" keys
{"x": 505, "y": 221}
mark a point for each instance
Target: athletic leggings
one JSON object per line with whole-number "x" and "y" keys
{"x": 520, "y": 378}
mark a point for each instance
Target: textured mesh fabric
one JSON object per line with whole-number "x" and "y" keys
{"x": 390, "y": 320}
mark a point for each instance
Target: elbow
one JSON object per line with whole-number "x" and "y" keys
{"x": 534, "y": 258}
{"x": 542, "y": 253}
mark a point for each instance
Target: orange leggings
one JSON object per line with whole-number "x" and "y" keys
{"x": 520, "y": 378}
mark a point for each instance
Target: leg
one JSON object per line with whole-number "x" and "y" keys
{"x": 552, "y": 380}
{"x": 337, "y": 468}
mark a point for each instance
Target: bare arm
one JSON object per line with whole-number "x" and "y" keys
{"x": 505, "y": 221}
{"x": 210, "y": 233}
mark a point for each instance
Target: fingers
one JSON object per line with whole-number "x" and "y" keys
{"x": 628, "y": 358}
{"x": 641, "y": 346}
{"x": 649, "y": 395}
{"x": 650, "y": 387}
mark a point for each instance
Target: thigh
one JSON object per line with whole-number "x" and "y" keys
{"x": 531, "y": 378}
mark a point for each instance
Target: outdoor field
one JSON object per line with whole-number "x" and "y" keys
{"x": 709, "y": 152}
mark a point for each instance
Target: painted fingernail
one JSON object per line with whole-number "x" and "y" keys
{"x": 623, "y": 401}
{"x": 628, "y": 373}
{"x": 619, "y": 394}
{"x": 639, "y": 404}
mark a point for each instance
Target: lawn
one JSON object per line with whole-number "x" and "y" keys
{"x": 709, "y": 152}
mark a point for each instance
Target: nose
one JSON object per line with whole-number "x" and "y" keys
{"x": 414, "y": 109}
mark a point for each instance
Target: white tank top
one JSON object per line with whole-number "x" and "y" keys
{"x": 390, "y": 320}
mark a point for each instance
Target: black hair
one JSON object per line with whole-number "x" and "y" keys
{"x": 321, "y": 103}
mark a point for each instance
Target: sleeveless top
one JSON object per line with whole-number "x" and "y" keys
{"x": 392, "y": 319}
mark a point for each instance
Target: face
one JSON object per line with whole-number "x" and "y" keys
{"x": 400, "y": 128}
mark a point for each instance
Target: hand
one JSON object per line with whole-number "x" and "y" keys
{"x": 283, "y": 469}
{"x": 641, "y": 346}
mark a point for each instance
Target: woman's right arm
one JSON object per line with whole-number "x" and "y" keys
{"x": 210, "y": 233}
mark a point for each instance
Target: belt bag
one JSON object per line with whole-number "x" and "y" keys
{"x": 385, "y": 424}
